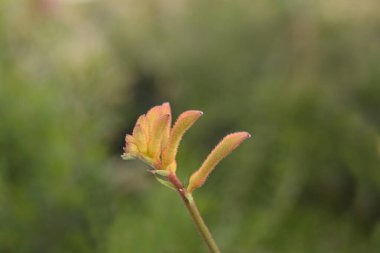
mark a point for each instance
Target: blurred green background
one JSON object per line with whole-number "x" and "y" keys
{"x": 302, "y": 76}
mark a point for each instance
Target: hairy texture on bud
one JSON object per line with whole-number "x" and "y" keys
{"x": 156, "y": 136}
{"x": 141, "y": 138}
{"x": 183, "y": 123}
{"x": 225, "y": 147}
{"x": 151, "y": 117}
{"x": 130, "y": 144}
{"x": 166, "y": 132}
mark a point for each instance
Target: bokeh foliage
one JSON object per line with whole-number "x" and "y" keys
{"x": 303, "y": 77}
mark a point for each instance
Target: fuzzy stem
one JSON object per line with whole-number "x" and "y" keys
{"x": 195, "y": 214}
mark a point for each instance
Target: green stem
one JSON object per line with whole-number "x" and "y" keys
{"x": 195, "y": 214}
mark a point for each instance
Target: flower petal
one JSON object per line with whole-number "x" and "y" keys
{"x": 130, "y": 144}
{"x": 183, "y": 123}
{"x": 142, "y": 121}
{"x": 141, "y": 138}
{"x": 152, "y": 116}
{"x": 154, "y": 147}
{"x": 165, "y": 136}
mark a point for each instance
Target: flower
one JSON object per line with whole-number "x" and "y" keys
{"x": 154, "y": 141}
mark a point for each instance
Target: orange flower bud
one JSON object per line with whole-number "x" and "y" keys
{"x": 225, "y": 147}
{"x": 149, "y": 134}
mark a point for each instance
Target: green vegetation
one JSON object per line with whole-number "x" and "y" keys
{"x": 303, "y": 78}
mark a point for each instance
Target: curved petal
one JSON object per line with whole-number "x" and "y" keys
{"x": 141, "y": 138}
{"x": 154, "y": 146}
{"x": 183, "y": 123}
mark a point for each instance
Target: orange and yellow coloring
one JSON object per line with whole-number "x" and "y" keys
{"x": 155, "y": 142}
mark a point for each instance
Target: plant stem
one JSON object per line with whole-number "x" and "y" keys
{"x": 195, "y": 214}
